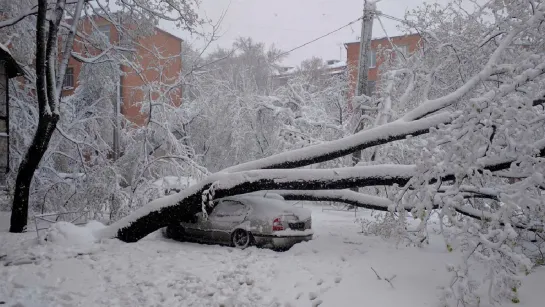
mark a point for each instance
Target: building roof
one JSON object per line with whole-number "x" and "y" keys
{"x": 13, "y": 69}
{"x": 169, "y": 33}
{"x": 337, "y": 67}
{"x": 337, "y": 64}
{"x": 69, "y": 21}
{"x": 384, "y": 37}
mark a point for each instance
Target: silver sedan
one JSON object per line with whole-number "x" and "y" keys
{"x": 251, "y": 219}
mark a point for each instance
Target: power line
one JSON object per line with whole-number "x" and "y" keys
{"x": 300, "y": 46}
{"x": 391, "y": 17}
{"x": 318, "y": 38}
{"x": 396, "y": 19}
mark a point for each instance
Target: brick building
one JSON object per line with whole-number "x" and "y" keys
{"x": 405, "y": 43}
{"x": 131, "y": 82}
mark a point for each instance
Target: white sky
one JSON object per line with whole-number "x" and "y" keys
{"x": 289, "y": 23}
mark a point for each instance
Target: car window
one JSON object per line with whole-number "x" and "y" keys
{"x": 229, "y": 208}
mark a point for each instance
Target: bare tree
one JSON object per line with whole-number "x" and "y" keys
{"x": 46, "y": 90}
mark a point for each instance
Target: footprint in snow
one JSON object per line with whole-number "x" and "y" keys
{"x": 65, "y": 297}
{"x": 320, "y": 282}
{"x": 325, "y": 289}
{"x": 317, "y": 303}
{"x": 338, "y": 279}
{"x": 312, "y": 295}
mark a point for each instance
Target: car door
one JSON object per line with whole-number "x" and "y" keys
{"x": 227, "y": 215}
{"x": 199, "y": 229}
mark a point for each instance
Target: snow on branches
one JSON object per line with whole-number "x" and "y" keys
{"x": 455, "y": 135}
{"x": 470, "y": 99}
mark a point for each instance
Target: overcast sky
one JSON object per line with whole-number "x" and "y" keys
{"x": 289, "y": 23}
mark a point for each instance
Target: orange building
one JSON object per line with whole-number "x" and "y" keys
{"x": 149, "y": 69}
{"x": 405, "y": 43}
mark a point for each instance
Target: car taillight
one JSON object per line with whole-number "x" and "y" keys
{"x": 277, "y": 224}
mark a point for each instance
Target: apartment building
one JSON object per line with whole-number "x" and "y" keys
{"x": 405, "y": 44}
{"x": 149, "y": 68}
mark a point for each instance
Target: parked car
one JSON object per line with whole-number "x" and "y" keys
{"x": 251, "y": 219}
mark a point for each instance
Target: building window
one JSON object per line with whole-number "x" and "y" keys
{"x": 69, "y": 78}
{"x": 404, "y": 49}
{"x": 4, "y": 159}
{"x": 4, "y": 140}
{"x": 372, "y": 59}
{"x": 105, "y": 31}
{"x": 371, "y": 87}
{"x": 3, "y": 91}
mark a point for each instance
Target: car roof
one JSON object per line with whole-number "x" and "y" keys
{"x": 265, "y": 206}
{"x": 257, "y": 200}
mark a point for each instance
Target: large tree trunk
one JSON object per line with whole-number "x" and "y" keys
{"x": 182, "y": 206}
{"x": 19, "y": 210}
{"x": 46, "y": 46}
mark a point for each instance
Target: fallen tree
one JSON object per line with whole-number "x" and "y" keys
{"x": 159, "y": 213}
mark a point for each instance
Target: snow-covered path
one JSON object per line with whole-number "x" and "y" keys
{"x": 334, "y": 269}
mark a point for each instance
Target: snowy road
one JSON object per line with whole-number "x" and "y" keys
{"x": 334, "y": 269}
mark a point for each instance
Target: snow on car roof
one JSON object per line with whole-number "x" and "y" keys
{"x": 270, "y": 207}
{"x": 266, "y": 194}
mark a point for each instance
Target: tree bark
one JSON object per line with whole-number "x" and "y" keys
{"x": 27, "y": 168}
{"x": 46, "y": 45}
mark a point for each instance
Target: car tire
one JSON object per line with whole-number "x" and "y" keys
{"x": 174, "y": 232}
{"x": 241, "y": 238}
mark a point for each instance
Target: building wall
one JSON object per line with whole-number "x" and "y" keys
{"x": 412, "y": 41}
{"x": 165, "y": 70}
{"x": 78, "y": 47}
{"x": 149, "y": 68}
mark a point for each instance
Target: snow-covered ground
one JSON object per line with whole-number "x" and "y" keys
{"x": 334, "y": 269}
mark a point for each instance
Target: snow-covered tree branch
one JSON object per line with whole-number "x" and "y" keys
{"x": 463, "y": 111}
{"x": 454, "y": 134}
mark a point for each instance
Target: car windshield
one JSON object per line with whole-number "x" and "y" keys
{"x": 229, "y": 208}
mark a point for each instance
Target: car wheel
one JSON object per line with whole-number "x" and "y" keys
{"x": 175, "y": 232}
{"x": 241, "y": 238}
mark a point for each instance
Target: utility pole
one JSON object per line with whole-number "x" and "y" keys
{"x": 369, "y": 7}
{"x": 365, "y": 46}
